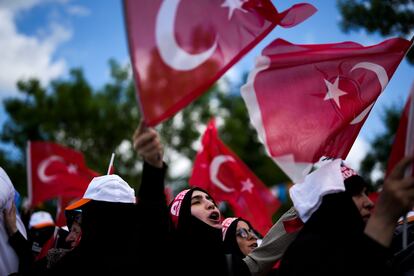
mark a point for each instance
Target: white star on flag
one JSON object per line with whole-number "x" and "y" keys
{"x": 72, "y": 169}
{"x": 247, "y": 185}
{"x": 334, "y": 92}
{"x": 232, "y": 5}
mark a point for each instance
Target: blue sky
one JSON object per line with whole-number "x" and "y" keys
{"x": 45, "y": 38}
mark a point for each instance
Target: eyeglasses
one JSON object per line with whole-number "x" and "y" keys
{"x": 245, "y": 233}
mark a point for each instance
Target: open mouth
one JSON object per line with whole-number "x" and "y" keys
{"x": 214, "y": 216}
{"x": 253, "y": 245}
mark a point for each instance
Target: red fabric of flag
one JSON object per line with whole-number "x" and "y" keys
{"x": 179, "y": 48}
{"x": 220, "y": 171}
{"x": 56, "y": 171}
{"x": 404, "y": 139}
{"x": 310, "y": 101}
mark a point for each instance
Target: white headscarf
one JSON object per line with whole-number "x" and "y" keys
{"x": 307, "y": 196}
{"x": 9, "y": 262}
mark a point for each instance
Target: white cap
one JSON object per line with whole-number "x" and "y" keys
{"x": 41, "y": 219}
{"x": 110, "y": 188}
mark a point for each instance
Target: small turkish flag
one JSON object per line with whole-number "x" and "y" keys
{"x": 56, "y": 171}
{"x": 310, "y": 101}
{"x": 220, "y": 172}
{"x": 179, "y": 48}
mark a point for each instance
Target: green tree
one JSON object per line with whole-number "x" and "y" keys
{"x": 387, "y": 17}
{"x": 70, "y": 113}
{"x": 96, "y": 122}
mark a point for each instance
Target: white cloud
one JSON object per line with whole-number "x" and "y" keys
{"x": 24, "y": 56}
{"x": 78, "y": 10}
{"x": 18, "y": 5}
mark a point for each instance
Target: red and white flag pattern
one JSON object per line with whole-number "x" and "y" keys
{"x": 404, "y": 139}
{"x": 221, "y": 172}
{"x": 179, "y": 48}
{"x": 310, "y": 101}
{"x": 55, "y": 171}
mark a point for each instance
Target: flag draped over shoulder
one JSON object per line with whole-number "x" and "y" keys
{"x": 310, "y": 101}
{"x": 404, "y": 139}
{"x": 56, "y": 171}
{"x": 221, "y": 172}
{"x": 179, "y": 48}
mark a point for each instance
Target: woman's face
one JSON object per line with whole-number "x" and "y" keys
{"x": 364, "y": 205}
{"x": 246, "y": 239}
{"x": 74, "y": 235}
{"x": 203, "y": 208}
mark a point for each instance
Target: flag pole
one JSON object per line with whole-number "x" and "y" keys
{"x": 111, "y": 163}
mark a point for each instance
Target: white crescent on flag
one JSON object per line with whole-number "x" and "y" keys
{"x": 171, "y": 53}
{"x": 383, "y": 80}
{"x": 214, "y": 169}
{"x": 41, "y": 171}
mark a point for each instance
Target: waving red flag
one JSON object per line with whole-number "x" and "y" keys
{"x": 310, "y": 101}
{"x": 219, "y": 171}
{"x": 56, "y": 171}
{"x": 404, "y": 139}
{"x": 180, "y": 48}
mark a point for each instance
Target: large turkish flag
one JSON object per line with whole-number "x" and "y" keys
{"x": 179, "y": 48}
{"x": 310, "y": 101}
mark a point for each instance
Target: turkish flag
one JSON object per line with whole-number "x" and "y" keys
{"x": 310, "y": 101}
{"x": 180, "y": 48}
{"x": 404, "y": 139}
{"x": 220, "y": 172}
{"x": 56, "y": 171}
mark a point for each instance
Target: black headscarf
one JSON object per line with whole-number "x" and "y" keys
{"x": 198, "y": 246}
{"x": 230, "y": 239}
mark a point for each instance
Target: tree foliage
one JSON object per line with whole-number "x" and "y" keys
{"x": 387, "y": 17}
{"x": 97, "y": 122}
{"x": 69, "y": 112}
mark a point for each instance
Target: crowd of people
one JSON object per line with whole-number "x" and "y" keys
{"x": 113, "y": 230}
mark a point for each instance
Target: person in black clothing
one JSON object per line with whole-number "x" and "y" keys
{"x": 118, "y": 236}
{"x": 337, "y": 241}
{"x": 239, "y": 236}
{"x": 197, "y": 236}
{"x": 194, "y": 238}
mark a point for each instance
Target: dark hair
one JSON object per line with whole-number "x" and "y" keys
{"x": 355, "y": 184}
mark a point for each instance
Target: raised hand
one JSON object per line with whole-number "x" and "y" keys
{"x": 395, "y": 199}
{"x": 146, "y": 142}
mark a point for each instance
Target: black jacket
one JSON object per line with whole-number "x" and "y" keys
{"x": 122, "y": 238}
{"x": 332, "y": 242}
